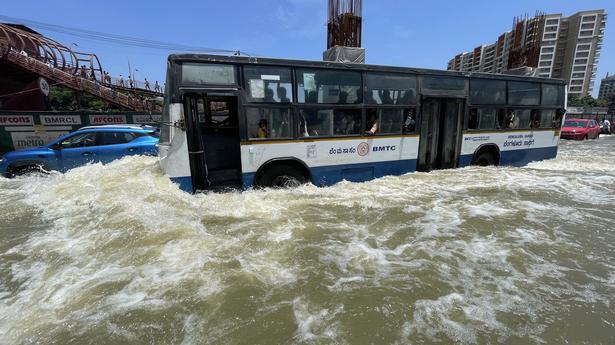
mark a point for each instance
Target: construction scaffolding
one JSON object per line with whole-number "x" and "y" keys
{"x": 344, "y": 23}
{"x": 527, "y": 36}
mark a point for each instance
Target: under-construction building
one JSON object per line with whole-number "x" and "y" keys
{"x": 545, "y": 45}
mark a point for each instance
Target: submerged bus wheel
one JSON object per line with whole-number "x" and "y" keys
{"x": 281, "y": 176}
{"x": 485, "y": 158}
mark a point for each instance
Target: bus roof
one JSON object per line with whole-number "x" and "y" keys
{"x": 246, "y": 60}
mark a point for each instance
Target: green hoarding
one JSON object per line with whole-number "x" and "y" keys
{"x": 20, "y": 130}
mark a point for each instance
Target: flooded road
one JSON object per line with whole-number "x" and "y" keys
{"x": 116, "y": 254}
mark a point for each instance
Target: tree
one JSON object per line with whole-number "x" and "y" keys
{"x": 586, "y": 102}
{"x": 611, "y": 103}
{"x": 574, "y": 101}
{"x": 61, "y": 98}
{"x": 601, "y": 102}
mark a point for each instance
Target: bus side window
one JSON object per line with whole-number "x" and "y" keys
{"x": 315, "y": 123}
{"x": 523, "y": 117}
{"x": 535, "y": 118}
{"x": 557, "y": 118}
{"x": 487, "y": 118}
{"x": 266, "y": 123}
{"x": 546, "y": 117}
{"x": 347, "y": 121}
{"x": 390, "y": 121}
{"x": 512, "y": 119}
{"x": 473, "y": 119}
{"x": 484, "y": 118}
{"x": 501, "y": 119}
{"x": 371, "y": 122}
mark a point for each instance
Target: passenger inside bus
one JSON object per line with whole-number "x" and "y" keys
{"x": 262, "y": 129}
{"x": 283, "y": 128}
{"x": 359, "y": 99}
{"x": 535, "y": 119}
{"x": 385, "y": 97}
{"x": 409, "y": 121}
{"x": 512, "y": 121}
{"x": 302, "y": 125}
{"x": 342, "y": 97}
{"x": 312, "y": 97}
{"x": 268, "y": 95}
{"x": 407, "y": 98}
{"x": 345, "y": 124}
{"x": 372, "y": 123}
{"x": 282, "y": 95}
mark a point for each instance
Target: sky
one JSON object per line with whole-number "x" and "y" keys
{"x": 409, "y": 33}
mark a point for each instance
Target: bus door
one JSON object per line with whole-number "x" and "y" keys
{"x": 212, "y": 125}
{"x": 440, "y": 133}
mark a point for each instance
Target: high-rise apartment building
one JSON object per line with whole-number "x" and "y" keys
{"x": 551, "y": 46}
{"x": 607, "y": 87}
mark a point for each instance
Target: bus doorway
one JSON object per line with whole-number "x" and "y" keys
{"x": 440, "y": 133}
{"x": 212, "y": 128}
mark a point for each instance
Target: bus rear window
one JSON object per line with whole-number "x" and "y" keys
{"x": 213, "y": 74}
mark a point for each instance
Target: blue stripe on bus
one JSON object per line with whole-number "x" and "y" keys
{"x": 329, "y": 175}
{"x": 517, "y": 157}
{"x": 522, "y": 157}
{"x": 332, "y": 174}
{"x": 184, "y": 183}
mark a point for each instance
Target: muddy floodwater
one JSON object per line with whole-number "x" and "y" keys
{"x": 117, "y": 254}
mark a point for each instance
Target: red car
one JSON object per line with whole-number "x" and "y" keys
{"x": 580, "y": 129}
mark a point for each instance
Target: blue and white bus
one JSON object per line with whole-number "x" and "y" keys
{"x": 232, "y": 121}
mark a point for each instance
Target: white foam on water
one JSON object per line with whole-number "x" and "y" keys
{"x": 314, "y": 326}
{"x": 431, "y": 319}
{"x": 193, "y": 326}
{"x": 461, "y": 248}
{"x": 266, "y": 269}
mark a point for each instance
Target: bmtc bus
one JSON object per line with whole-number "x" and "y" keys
{"x": 239, "y": 122}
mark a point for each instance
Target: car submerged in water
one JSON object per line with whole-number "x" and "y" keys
{"x": 91, "y": 144}
{"x": 580, "y": 129}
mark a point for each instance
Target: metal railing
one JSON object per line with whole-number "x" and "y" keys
{"x": 65, "y": 76}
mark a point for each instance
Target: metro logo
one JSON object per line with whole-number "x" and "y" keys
{"x": 107, "y": 119}
{"x": 12, "y": 120}
{"x": 60, "y": 120}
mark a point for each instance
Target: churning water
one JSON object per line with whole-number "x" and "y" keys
{"x": 116, "y": 254}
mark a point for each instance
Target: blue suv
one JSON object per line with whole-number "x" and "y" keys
{"x": 86, "y": 145}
